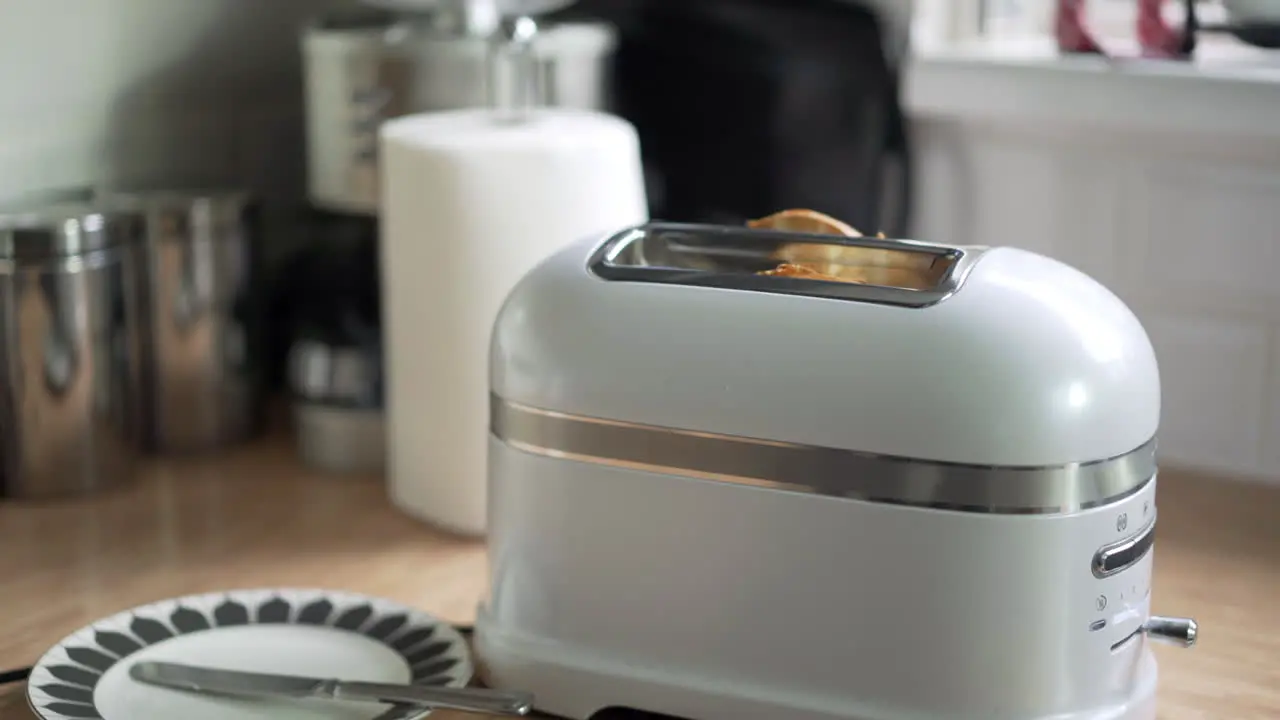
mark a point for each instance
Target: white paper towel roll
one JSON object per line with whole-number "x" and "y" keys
{"x": 469, "y": 205}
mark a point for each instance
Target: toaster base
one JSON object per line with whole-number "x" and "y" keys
{"x": 577, "y": 685}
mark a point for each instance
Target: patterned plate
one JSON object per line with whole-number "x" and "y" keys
{"x": 316, "y": 633}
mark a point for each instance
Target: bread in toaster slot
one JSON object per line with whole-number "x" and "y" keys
{"x": 846, "y": 263}
{"x": 804, "y": 221}
{"x": 888, "y": 277}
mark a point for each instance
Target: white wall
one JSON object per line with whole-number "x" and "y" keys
{"x": 151, "y": 91}
{"x": 1185, "y": 227}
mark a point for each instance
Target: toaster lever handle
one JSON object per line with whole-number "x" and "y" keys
{"x": 1172, "y": 630}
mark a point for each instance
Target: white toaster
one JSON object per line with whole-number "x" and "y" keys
{"x": 719, "y": 495}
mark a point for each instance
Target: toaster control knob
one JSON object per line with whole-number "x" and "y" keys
{"x": 1175, "y": 631}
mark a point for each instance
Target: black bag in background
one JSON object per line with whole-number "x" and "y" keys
{"x": 746, "y": 107}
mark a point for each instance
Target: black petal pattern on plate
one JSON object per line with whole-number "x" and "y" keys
{"x": 230, "y": 613}
{"x": 73, "y": 710}
{"x": 275, "y": 610}
{"x": 411, "y": 639}
{"x": 431, "y": 651}
{"x": 91, "y": 658}
{"x": 71, "y": 695}
{"x": 74, "y": 675}
{"x": 432, "y": 669}
{"x": 66, "y": 692}
{"x": 188, "y": 621}
{"x": 315, "y": 613}
{"x": 384, "y": 628}
{"x": 354, "y": 618}
{"x": 119, "y": 644}
{"x": 150, "y": 631}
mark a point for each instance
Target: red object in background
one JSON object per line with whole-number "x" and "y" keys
{"x": 1071, "y": 31}
{"x": 1155, "y": 36}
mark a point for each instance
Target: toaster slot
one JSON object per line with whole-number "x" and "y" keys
{"x": 879, "y": 270}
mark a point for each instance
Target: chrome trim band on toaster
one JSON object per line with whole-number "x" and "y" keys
{"x": 822, "y": 470}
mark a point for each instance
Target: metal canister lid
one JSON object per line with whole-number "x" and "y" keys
{"x": 178, "y": 211}
{"x": 175, "y": 199}
{"x": 58, "y": 230}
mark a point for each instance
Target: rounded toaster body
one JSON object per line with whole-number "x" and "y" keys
{"x": 712, "y": 497}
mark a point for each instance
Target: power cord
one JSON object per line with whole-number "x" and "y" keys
{"x": 14, "y": 676}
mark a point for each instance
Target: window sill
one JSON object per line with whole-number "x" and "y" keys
{"x": 1229, "y": 88}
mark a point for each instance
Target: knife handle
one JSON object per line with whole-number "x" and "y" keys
{"x": 470, "y": 699}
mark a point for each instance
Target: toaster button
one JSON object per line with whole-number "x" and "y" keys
{"x": 1117, "y": 556}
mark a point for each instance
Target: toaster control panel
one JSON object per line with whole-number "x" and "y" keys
{"x": 1117, "y": 556}
{"x": 1119, "y": 551}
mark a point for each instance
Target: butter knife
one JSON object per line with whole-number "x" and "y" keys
{"x": 251, "y": 684}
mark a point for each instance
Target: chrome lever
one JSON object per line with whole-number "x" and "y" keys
{"x": 1182, "y": 632}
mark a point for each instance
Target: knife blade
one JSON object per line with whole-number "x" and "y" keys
{"x": 251, "y": 684}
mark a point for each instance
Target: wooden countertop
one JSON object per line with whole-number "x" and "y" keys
{"x": 254, "y": 518}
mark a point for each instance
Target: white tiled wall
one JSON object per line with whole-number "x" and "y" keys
{"x": 151, "y": 91}
{"x": 1185, "y": 228}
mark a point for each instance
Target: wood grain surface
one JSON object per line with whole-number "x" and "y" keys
{"x": 254, "y": 518}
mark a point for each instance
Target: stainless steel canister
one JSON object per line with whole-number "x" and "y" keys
{"x": 68, "y": 349}
{"x": 365, "y": 66}
{"x": 202, "y": 365}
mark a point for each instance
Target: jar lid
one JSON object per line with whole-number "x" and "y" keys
{"x": 59, "y": 230}
{"x": 216, "y": 206}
